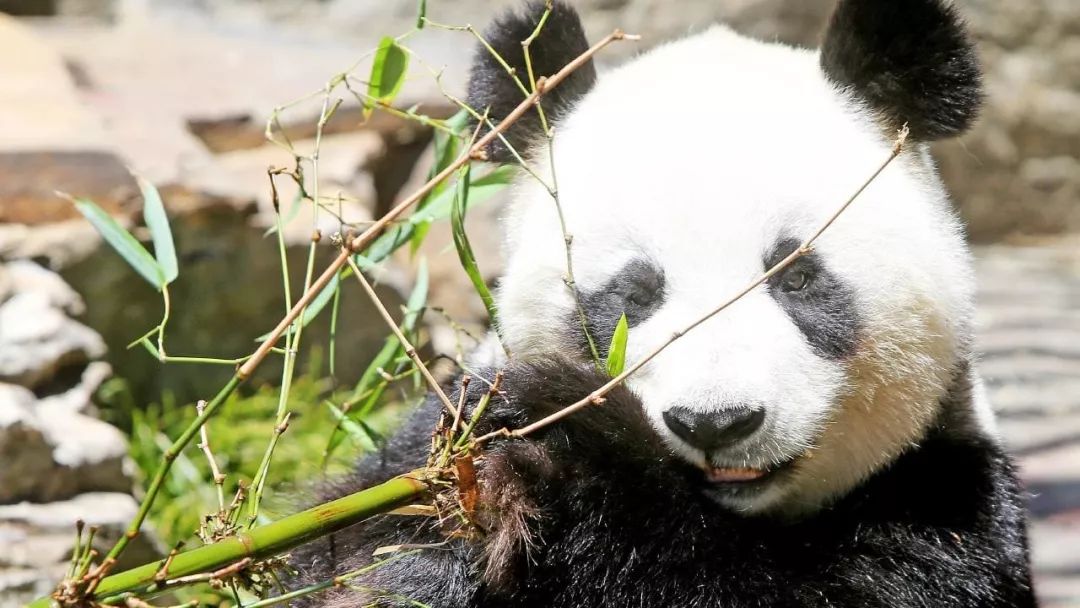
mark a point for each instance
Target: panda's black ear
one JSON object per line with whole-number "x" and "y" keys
{"x": 560, "y": 41}
{"x": 910, "y": 60}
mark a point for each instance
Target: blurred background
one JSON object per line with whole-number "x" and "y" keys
{"x": 180, "y": 90}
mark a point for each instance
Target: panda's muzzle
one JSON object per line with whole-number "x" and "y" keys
{"x": 710, "y": 431}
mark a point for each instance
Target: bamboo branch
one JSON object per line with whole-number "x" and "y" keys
{"x": 92, "y": 579}
{"x": 204, "y": 445}
{"x": 543, "y": 85}
{"x": 264, "y": 541}
{"x": 410, "y": 350}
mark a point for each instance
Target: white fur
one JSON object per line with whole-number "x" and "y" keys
{"x": 700, "y": 155}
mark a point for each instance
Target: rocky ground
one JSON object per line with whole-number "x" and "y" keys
{"x": 58, "y": 462}
{"x": 180, "y": 89}
{"x": 1029, "y": 337}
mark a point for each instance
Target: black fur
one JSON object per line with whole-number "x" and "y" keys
{"x": 617, "y": 521}
{"x": 636, "y": 290}
{"x": 560, "y": 41}
{"x": 910, "y": 60}
{"x": 825, "y": 310}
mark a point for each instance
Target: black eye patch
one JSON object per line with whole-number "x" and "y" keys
{"x": 637, "y": 290}
{"x": 818, "y": 302}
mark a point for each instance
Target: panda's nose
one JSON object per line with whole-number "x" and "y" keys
{"x": 708, "y": 431}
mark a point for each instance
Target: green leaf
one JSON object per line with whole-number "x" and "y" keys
{"x": 150, "y": 347}
{"x": 420, "y": 14}
{"x": 616, "y": 359}
{"x": 387, "y": 72}
{"x": 480, "y": 190}
{"x": 464, "y": 249}
{"x": 371, "y": 385}
{"x": 419, "y": 233}
{"x": 358, "y": 431}
{"x": 446, "y": 148}
{"x": 414, "y": 306}
{"x": 160, "y": 232}
{"x": 122, "y": 242}
{"x": 334, "y": 310}
{"x": 294, "y": 210}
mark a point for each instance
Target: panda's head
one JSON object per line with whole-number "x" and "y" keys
{"x": 686, "y": 173}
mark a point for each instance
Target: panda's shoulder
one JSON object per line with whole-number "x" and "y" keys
{"x": 959, "y": 483}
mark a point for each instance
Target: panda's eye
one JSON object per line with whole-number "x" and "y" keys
{"x": 641, "y": 297}
{"x": 795, "y": 279}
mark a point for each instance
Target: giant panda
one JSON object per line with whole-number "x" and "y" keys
{"x": 825, "y": 441}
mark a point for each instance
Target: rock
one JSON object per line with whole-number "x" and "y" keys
{"x": 229, "y": 292}
{"x": 243, "y": 174}
{"x": 58, "y": 245}
{"x": 1029, "y": 332}
{"x": 96, "y": 9}
{"x": 37, "y": 340}
{"x": 50, "y": 453}
{"x": 38, "y": 540}
{"x": 50, "y": 141}
{"x": 32, "y": 179}
{"x": 28, "y": 277}
{"x": 28, "y": 8}
{"x": 79, "y": 398}
{"x": 38, "y": 98}
{"x": 147, "y": 107}
{"x": 5, "y": 284}
{"x": 26, "y": 455}
{"x": 243, "y": 131}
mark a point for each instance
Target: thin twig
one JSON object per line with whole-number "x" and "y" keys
{"x": 568, "y": 240}
{"x": 204, "y": 445}
{"x": 219, "y": 574}
{"x": 597, "y": 396}
{"x": 410, "y": 350}
{"x": 281, "y": 417}
{"x": 479, "y": 412}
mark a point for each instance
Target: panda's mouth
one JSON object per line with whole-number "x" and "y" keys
{"x": 733, "y": 474}
{"x": 746, "y": 476}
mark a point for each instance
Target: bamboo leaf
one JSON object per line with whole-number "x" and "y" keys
{"x": 420, "y": 14}
{"x": 446, "y": 148}
{"x": 122, "y": 242}
{"x": 372, "y": 383}
{"x": 443, "y": 143}
{"x": 148, "y": 345}
{"x": 419, "y": 233}
{"x": 361, "y": 433}
{"x": 464, "y": 249}
{"x": 387, "y": 73}
{"x": 417, "y": 300}
{"x": 481, "y": 189}
{"x": 160, "y": 232}
{"x": 616, "y": 359}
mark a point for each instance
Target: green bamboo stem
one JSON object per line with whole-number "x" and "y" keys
{"x": 163, "y": 470}
{"x": 264, "y": 541}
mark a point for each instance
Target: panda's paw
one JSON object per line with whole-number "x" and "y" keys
{"x": 579, "y": 466}
{"x": 610, "y": 434}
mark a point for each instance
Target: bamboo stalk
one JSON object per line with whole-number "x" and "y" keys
{"x": 264, "y": 541}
